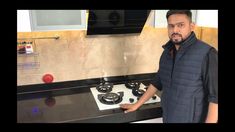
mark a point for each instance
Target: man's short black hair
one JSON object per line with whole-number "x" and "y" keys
{"x": 186, "y": 12}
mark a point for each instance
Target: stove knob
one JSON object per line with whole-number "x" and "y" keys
{"x": 138, "y": 98}
{"x": 131, "y": 100}
{"x": 154, "y": 97}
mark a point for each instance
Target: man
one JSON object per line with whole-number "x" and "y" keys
{"x": 187, "y": 75}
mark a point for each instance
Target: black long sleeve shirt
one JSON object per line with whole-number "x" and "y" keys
{"x": 209, "y": 76}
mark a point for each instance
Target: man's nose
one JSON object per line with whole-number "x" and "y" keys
{"x": 175, "y": 29}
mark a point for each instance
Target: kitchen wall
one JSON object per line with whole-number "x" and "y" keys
{"x": 75, "y": 56}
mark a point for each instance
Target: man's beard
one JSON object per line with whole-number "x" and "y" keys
{"x": 176, "y": 41}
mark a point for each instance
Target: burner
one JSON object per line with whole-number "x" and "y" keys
{"x": 132, "y": 85}
{"x": 105, "y": 88}
{"x": 110, "y": 98}
{"x": 138, "y": 92}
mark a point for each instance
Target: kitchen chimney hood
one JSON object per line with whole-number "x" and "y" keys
{"x": 105, "y": 22}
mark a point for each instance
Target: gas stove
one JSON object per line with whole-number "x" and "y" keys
{"x": 119, "y": 94}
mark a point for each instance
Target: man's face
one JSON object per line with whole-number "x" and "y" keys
{"x": 179, "y": 27}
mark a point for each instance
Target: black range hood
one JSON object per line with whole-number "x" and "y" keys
{"x": 104, "y": 22}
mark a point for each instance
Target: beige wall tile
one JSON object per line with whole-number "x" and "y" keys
{"x": 76, "y": 56}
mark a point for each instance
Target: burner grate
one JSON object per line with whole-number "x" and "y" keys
{"x": 110, "y": 98}
{"x": 104, "y": 88}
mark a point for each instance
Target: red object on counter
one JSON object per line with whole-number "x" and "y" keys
{"x": 47, "y": 78}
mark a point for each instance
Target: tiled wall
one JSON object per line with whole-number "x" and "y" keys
{"x": 75, "y": 56}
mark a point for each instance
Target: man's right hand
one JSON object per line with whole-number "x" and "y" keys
{"x": 146, "y": 96}
{"x": 129, "y": 107}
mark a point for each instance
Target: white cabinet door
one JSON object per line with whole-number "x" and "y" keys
{"x": 207, "y": 18}
{"x": 23, "y": 23}
{"x": 46, "y": 20}
{"x": 160, "y": 20}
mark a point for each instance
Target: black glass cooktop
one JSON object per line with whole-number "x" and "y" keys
{"x": 56, "y": 109}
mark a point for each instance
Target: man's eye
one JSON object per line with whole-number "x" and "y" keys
{"x": 180, "y": 25}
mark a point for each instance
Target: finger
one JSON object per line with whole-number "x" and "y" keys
{"x": 127, "y": 111}
{"x": 123, "y": 105}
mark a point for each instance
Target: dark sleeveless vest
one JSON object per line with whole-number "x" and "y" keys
{"x": 183, "y": 97}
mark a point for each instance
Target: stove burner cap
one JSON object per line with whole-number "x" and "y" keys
{"x": 132, "y": 85}
{"x": 138, "y": 92}
{"x": 110, "y": 98}
{"x": 105, "y": 88}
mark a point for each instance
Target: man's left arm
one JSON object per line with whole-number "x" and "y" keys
{"x": 211, "y": 83}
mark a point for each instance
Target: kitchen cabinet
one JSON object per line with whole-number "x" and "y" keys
{"x": 160, "y": 20}
{"x": 207, "y": 18}
{"x": 47, "y": 20}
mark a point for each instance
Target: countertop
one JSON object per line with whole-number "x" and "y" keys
{"x": 76, "y": 105}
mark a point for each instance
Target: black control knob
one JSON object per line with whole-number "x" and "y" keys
{"x": 131, "y": 100}
{"x": 138, "y": 98}
{"x": 154, "y": 97}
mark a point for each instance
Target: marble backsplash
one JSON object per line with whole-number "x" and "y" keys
{"x": 75, "y": 56}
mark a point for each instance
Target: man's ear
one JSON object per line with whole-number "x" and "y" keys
{"x": 192, "y": 26}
